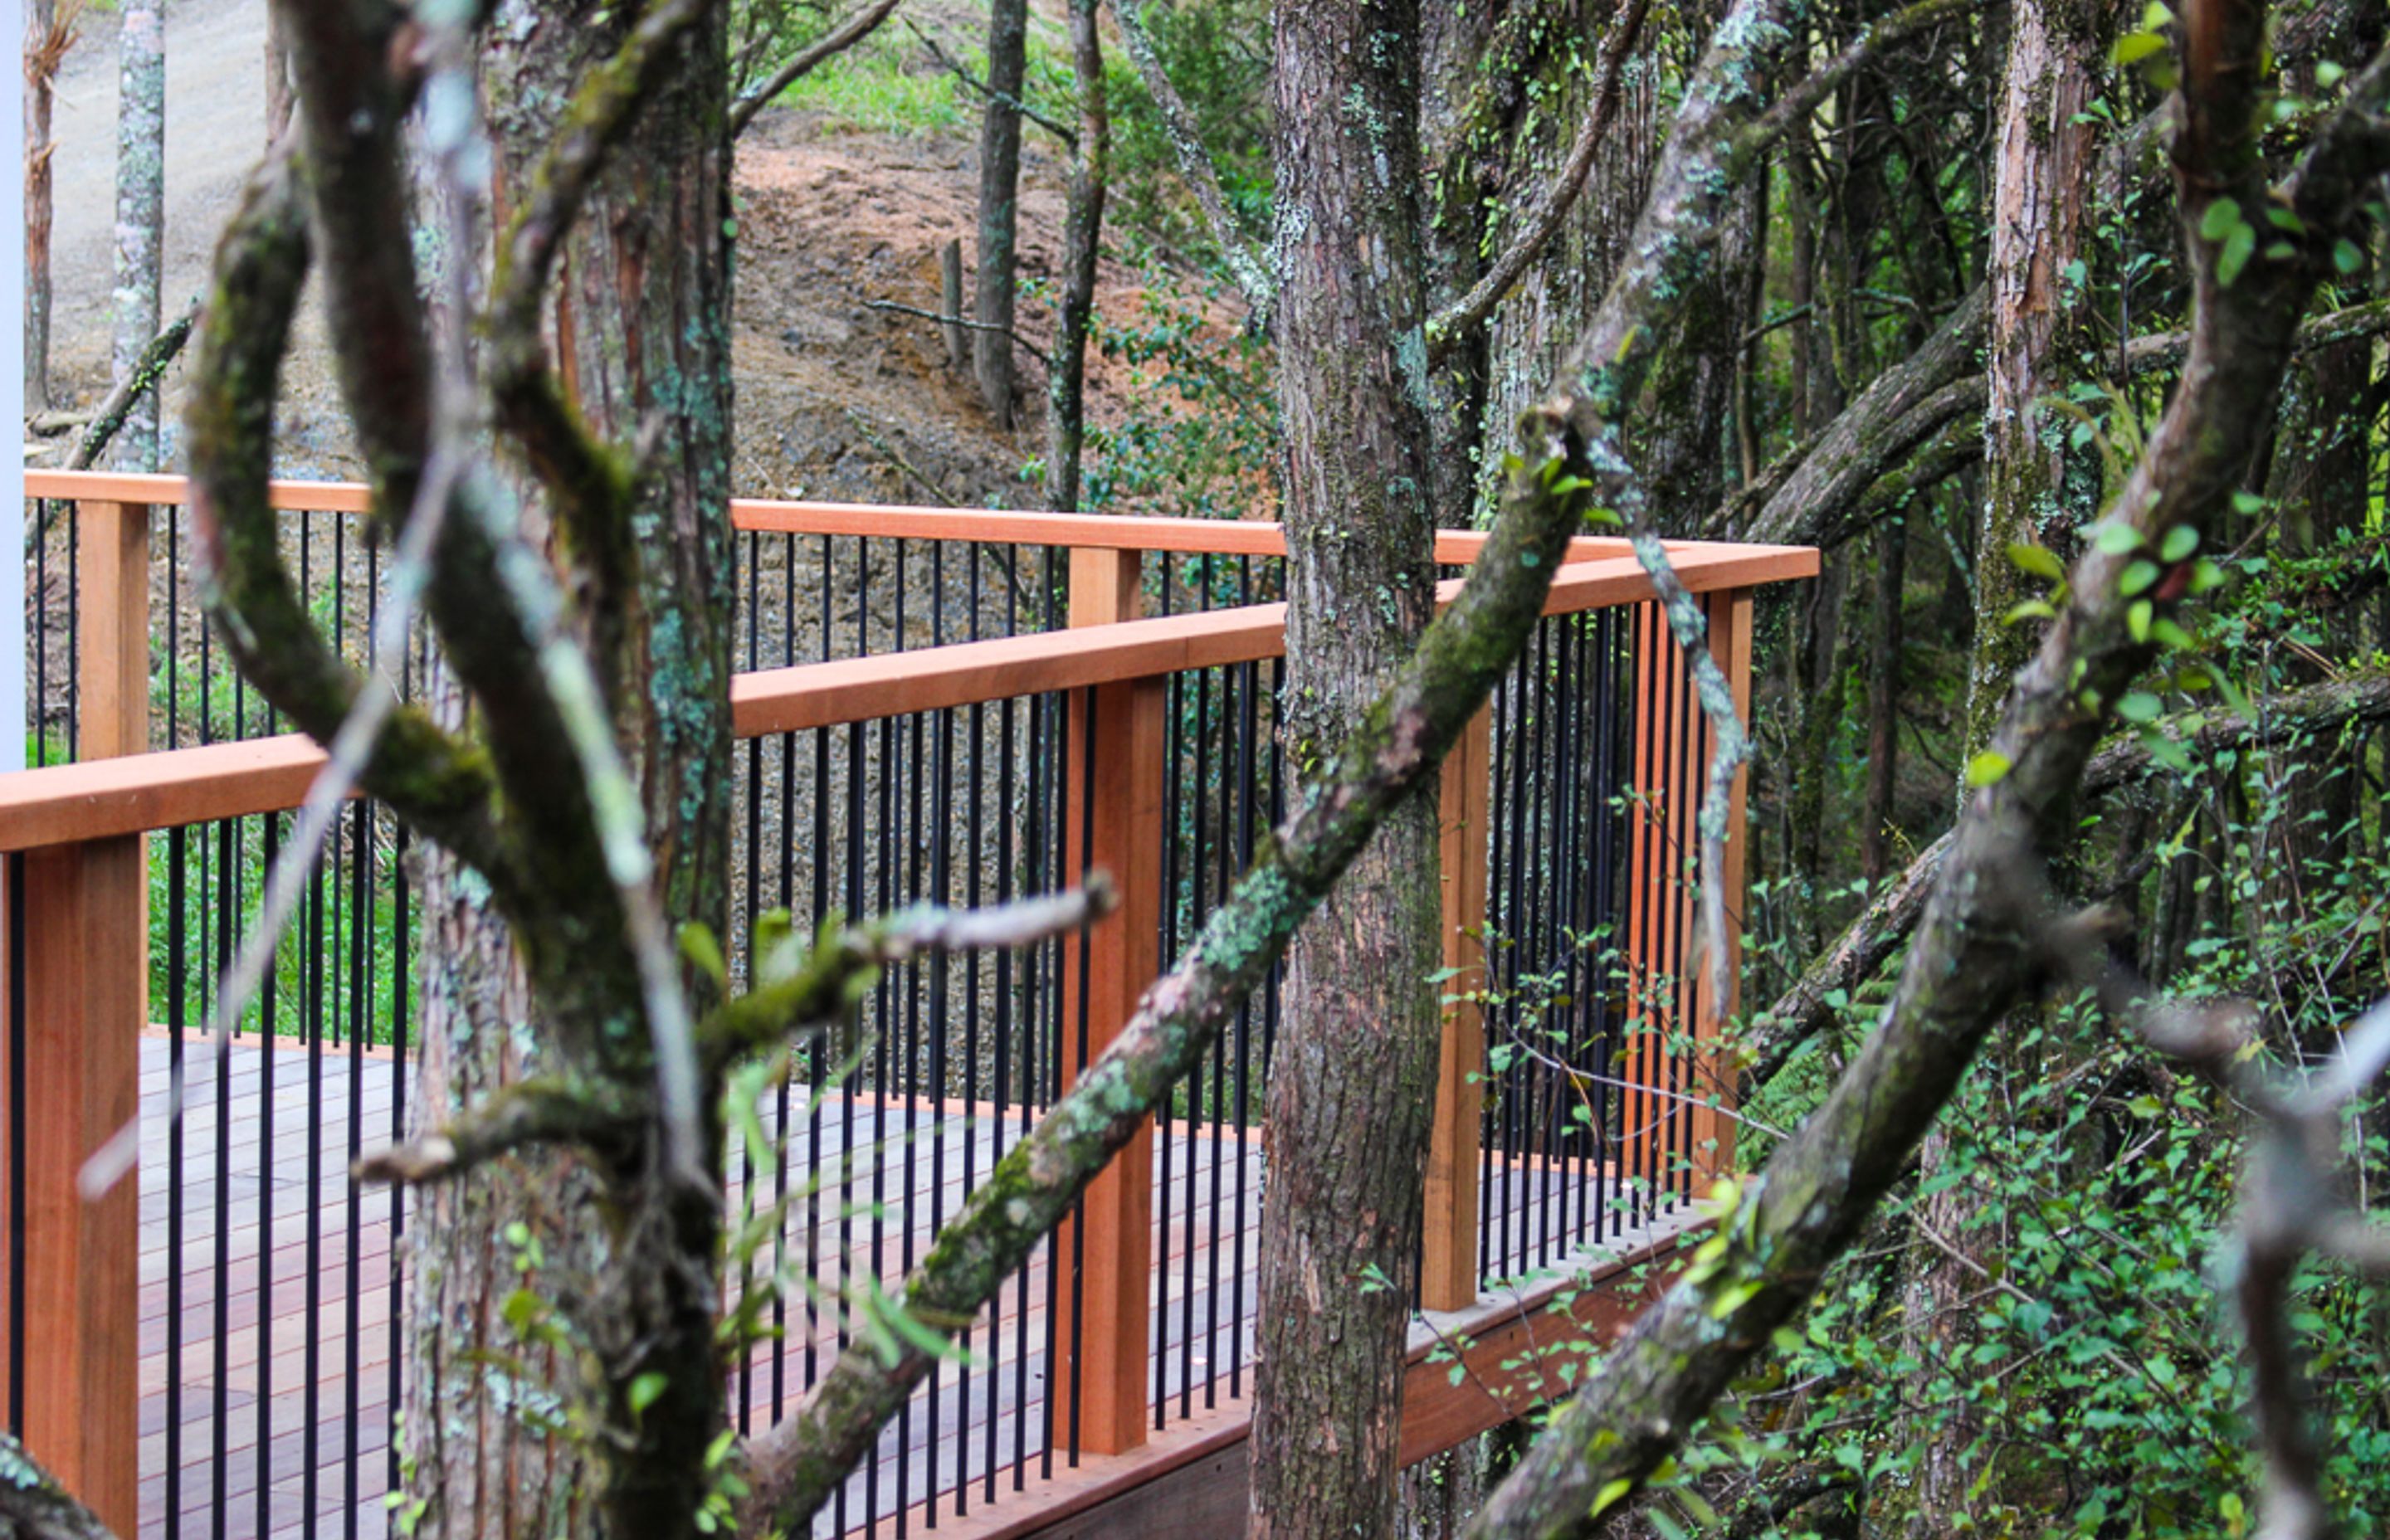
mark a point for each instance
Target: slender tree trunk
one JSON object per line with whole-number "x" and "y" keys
{"x": 1883, "y": 698}
{"x": 1083, "y": 228}
{"x": 42, "y": 47}
{"x": 999, "y": 199}
{"x": 1352, "y": 1084}
{"x": 140, "y": 213}
{"x": 646, "y": 288}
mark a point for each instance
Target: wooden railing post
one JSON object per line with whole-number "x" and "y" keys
{"x": 113, "y": 675}
{"x": 1114, "y": 822}
{"x": 85, "y": 998}
{"x": 1730, "y": 619}
{"x": 1449, "y": 1274}
{"x": 86, "y": 962}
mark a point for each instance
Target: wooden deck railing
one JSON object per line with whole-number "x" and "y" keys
{"x": 78, "y": 883}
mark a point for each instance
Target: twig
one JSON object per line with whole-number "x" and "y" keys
{"x": 837, "y": 40}
{"x": 1060, "y": 131}
{"x": 1023, "y": 343}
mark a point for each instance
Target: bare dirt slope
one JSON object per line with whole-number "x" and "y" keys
{"x": 831, "y": 395}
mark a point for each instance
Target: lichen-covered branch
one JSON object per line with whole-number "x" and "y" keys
{"x": 1202, "y": 178}
{"x": 34, "y": 1507}
{"x": 147, "y": 369}
{"x": 590, "y": 483}
{"x": 443, "y": 785}
{"x": 1878, "y": 932}
{"x": 1980, "y": 947}
{"x": 833, "y": 974}
{"x": 794, "y": 1468}
{"x": 551, "y": 1109}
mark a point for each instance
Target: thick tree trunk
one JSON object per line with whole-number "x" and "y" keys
{"x": 1083, "y": 229}
{"x": 642, "y": 337}
{"x": 2036, "y": 493}
{"x": 2048, "y": 148}
{"x": 1351, "y": 1085}
{"x": 1545, "y": 314}
{"x": 140, "y": 213}
{"x": 999, "y": 201}
{"x": 42, "y": 51}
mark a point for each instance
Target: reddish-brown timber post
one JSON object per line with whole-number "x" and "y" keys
{"x": 1449, "y": 1274}
{"x": 1729, "y": 625}
{"x": 1114, "y": 802}
{"x": 113, "y": 677}
{"x": 86, "y": 993}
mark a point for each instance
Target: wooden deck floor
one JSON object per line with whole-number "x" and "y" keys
{"x": 265, "y": 1328}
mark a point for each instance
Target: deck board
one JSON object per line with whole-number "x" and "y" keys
{"x": 293, "y": 1282}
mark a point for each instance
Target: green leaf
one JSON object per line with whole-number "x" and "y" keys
{"x": 1611, "y": 1496}
{"x": 2115, "y": 537}
{"x": 2238, "y": 248}
{"x": 704, "y": 952}
{"x": 2133, "y": 47}
{"x": 2040, "y": 560}
{"x": 644, "y": 1391}
{"x": 2137, "y": 577}
{"x": 2144, "y": 1106}
{"x": 2137, "y": 619}
{"x": 2031, "y": 610}
{"x": 2180, "y": 541}
{"x": 1987, "y": 769}
{"x": 2219, "y": 220}
{"x": 2284, "y": 219}
{"x": 2140, "y": 706}
{"x": 2348, "y": 257}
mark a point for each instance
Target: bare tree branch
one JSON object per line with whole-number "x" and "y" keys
{"x": 146, "y": 371}
{"x": 796, "y": 994}
{"x": 837, "y": 40}
{"x": 954, "y": 67}
{"x": 1471, "y": 309}
{"x": 544, "y": 1110}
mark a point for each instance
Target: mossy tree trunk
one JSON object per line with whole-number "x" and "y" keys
{"x": 2037, "y": 491}
{"x": 1352, "y": 1084}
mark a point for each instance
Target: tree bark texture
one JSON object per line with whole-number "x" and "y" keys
{"x": 1083, "y": 229}
{"x": 2047, "y": 151}
{"x": 1522, "y": 135}
{"x": 642, "y": 338}
{"x": 999, "y": 205}
{"x": 1351, "y": 1083}
{"x": 140, "y": 213}
{"x": 43, "y": 46}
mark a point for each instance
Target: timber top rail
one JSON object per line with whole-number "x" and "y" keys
{"x": 877, "y": 520}
{"x": 97, "y": 799}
